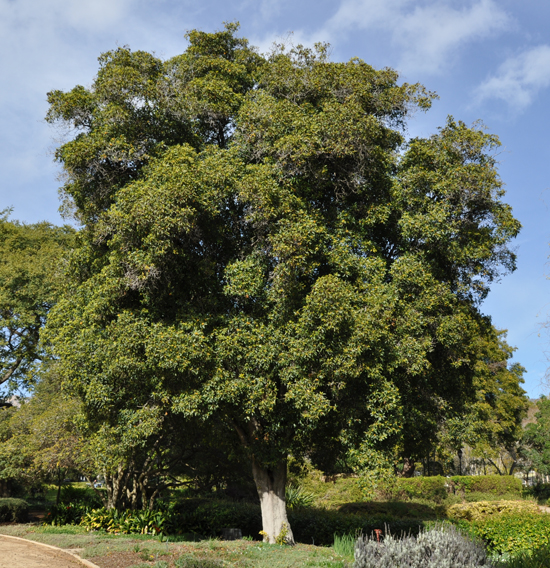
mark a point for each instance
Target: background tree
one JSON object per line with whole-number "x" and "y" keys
{"x": 492, "y": 426}
{"x": 39, "y": 440}
{"x": 285, "y": 271}
{"x": 31, "y": 263}
{"x": 537, "y": 438}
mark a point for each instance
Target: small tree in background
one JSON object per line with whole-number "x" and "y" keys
{"x": 32, "y": 261}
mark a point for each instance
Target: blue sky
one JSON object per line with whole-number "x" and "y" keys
{"x": 487, "y": 60}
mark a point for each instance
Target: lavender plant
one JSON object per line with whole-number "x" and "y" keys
{"x": 441, "y": 547}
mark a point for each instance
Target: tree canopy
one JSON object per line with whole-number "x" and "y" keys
{"x": 264, "y": 249}
{"x": 31, "y": 267}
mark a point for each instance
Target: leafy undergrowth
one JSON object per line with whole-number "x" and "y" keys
{"x": 110, "y": 551}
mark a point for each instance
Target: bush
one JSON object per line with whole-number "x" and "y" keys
{"x": 432, "y": 488}
{"x": 309, "y": 525}
{"x": 126, "y": 522}
{"x": 65, "y": 514}
{"x": 539, "y": 558}
{"x": 442, "y": 546}
{"x": 511, "y": 534}
{"x": 494, "y": 484}
{"x": 82, "y": 495}
{"x": 483, "y": 509}
{"x": 13, "y": 510}
{"x": 74, "y": 503}
{"x": 295, "y": 497}
{"x": 541, "y": 491}
{"x": 209, "y": 517}
{"x": 318, "y": 526}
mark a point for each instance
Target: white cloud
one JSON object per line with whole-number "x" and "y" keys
{"x": 519, "y": 78}
{"x": 427, "y": 34}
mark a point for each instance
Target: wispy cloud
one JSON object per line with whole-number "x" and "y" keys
{"x": 427, "y": 34}
{"x": 519, "y": 78}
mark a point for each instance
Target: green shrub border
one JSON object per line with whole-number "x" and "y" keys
{"x": 13, "y": 510}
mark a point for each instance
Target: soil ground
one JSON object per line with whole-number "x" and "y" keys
{"x": 20, "y": 554}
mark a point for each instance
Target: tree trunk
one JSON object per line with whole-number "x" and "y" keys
{"x": 408, "y": 467}
{"x": 271, "y": 484}
{"x": 58, "y": 487}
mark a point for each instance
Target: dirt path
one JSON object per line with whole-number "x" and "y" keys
{"x": 25, "y": 554}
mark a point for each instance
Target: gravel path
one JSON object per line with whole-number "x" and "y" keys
{"x": 26, "y": 554}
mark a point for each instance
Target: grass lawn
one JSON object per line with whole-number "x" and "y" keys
{"x": 123, "y": 551}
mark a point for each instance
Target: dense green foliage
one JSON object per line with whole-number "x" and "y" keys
{"x": 13, "y": 510}
{"x": 263, "y": 250}
{"x": 511, "y": 534}
{"x": 431, "y": 488}
{"x": 32, "y": 260}
{"x": 537, "y": 558}
{"x": 537, "y": 438}
{"x": 481, "y": 510}
{"x": 495, "y": 484}
{"x": 39, "y": 441}
{"x": 437, "y": 488}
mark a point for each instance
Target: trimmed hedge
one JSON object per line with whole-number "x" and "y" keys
{"x": 437, "y": 488}
{"x": 494, "y": 484}
{"x": 432, "y": 488}
{"x": 13, "y": 510}
{"x": 484, "y": 509}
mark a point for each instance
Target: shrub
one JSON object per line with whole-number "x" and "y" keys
{"x": 309, "y": 525}
{"x": 483, "y": 509}
{"x": 511, "y": 534}
{"x": 494, "y": 484}
{"x": 209, "y": 517}
{"x": 539, "y": 558}
{"x": 126, "y": 522}
{"x": 81, "y": 495}
{"x": 318, "y": 526}
{"x": 432, "y": 488}
{"x": 74, "y": 503}
{"x": 541, "y": 491}
{"x": 13, "y": 510}
{"x": 295, "y": 496}
{"x": 441, "y": 547}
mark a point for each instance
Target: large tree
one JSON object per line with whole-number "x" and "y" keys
{"x": 262, "y": 248}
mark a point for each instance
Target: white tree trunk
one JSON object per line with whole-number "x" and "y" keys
{"x": 271, "y": 484}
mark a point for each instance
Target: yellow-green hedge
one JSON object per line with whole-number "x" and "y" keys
{"x": 483, "y": 509}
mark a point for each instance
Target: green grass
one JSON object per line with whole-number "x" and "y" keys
{"x": 345, "y": 545}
